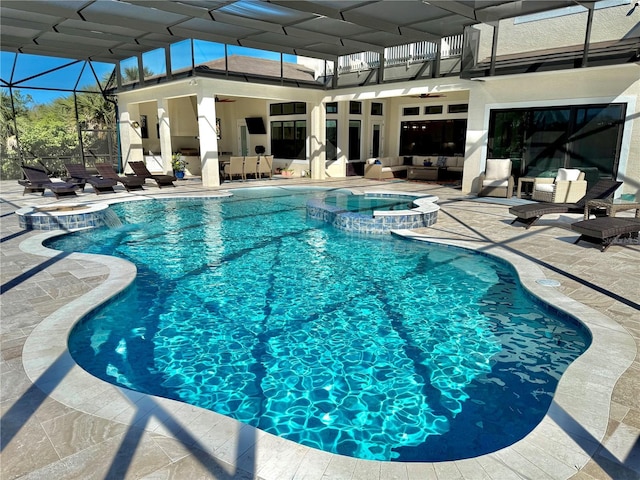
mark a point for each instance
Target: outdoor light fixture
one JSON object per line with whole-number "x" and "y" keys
{"x": 135, "y": 124}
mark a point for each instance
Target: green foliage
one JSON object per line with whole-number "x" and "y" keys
{"x": 178, "y": 163}
{"x": 51, "y": 131}
{"x": 47, "y": 135}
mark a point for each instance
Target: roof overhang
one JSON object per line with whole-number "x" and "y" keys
{"x": 113, "y": 30}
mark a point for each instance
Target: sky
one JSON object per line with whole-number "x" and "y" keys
{"x": 32, "y": 74}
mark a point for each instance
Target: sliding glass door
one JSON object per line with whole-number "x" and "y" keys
{"x": 541, "y": 140}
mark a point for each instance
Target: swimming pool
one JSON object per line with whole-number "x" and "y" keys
{"x": 333, "y": 340}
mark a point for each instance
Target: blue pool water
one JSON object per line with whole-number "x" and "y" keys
{"x": 368, "y": 203}
{"x": 372, "y": 347}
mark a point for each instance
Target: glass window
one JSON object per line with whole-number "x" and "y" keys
{"x": 595, "y": 141}
{"x": 288, "y": 139}
{"x": 290, "y": 108}
{"x": 154, "y": 63}
{"x": 144, "y": 128}
{"x": 354, "y": 139}
{"x": 209, "y": 54}
{"x": 181, "y": 56}
{"x": 332, "y": 139}
{"x": 411, "y": 111}
{"x": 459, "y": 108}
{"x": 253, "y": 61}
{"x": 433, "y": 110}
{"x": 129, "y": 70}
{"x": 376, "y": 108}
{"x": 331, "y": 107}
{"x": 355, "y": 108}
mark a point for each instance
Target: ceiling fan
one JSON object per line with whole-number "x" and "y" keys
{"x": 224, "y": 100}
{"x": 635, "y": 5}
{"x": 429, "y": 95}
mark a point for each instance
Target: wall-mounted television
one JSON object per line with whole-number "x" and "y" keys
{"x": 255, "y": 125}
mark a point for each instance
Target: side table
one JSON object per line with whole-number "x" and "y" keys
{"x": 611, "y": 207}
{"x": 523, "y": 180}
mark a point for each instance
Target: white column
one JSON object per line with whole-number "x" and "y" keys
{"x": 165, "y": 134}
{"x": 208, "y": 141}
{"x": 130, "y": 135}
{"x": 317, "y": 141}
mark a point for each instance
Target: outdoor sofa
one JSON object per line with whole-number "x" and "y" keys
{"x": 382, "y": 168}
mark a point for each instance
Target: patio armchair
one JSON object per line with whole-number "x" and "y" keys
{"x": 141, "y": 170}
{"x": 496, "y": 180}
{"x": 265, "y": 165}
{"x": 78, "y": 174}
{"x": 129, "y": 182}
{"x": 250, "y": 166}
{"x": 37, "y": 180}
{"x": 568, "y": 186}
{"x": 235, "y": 167}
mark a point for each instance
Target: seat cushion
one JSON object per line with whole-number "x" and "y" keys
{"x": 545, "y": 187}
{"x": 495, "y": 183}
{"x": 567, "y": 175}
{"x": 498, "y": 169}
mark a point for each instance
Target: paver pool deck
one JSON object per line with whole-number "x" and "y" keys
{"x": 59, "y": 422}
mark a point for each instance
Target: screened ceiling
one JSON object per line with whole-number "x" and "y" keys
{"x": 113, "y": 30}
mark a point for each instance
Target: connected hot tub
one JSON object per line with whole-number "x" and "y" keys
{"x": 375, "y": 211}
{"x": 66, "y": 216}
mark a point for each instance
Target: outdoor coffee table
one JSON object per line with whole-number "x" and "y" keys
{"x": 611, "y": 207}
{"x": 422, "y": 173}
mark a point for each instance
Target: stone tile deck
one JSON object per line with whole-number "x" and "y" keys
{"x": 60, "y": 422}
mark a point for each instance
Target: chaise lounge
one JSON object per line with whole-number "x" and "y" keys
{"x": 140, "y": 169}
{"x": 130, "y": 182}
{"x": 605, "y": 230}
{"x": 37, "y": 180}
{"x": 530, "y": 213}
{"x": 78, "y": 174}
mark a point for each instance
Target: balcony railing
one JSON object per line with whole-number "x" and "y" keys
{"x": 402, "y": 55}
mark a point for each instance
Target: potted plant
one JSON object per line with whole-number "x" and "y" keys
{"x": 178, "y": 164}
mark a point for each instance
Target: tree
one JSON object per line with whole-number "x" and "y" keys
{"x": 130, "y": 74}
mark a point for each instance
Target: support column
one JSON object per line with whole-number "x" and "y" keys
{"x": 130, "y": 135}
{"x": 165, "y": 134}
{"x": 317, "y": 141}
{"x": 208, "y": 141}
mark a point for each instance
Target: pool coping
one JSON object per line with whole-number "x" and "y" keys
{"x": 559, "y": 446}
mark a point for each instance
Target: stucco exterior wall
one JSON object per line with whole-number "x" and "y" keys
{"x": 566, "y": 30}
